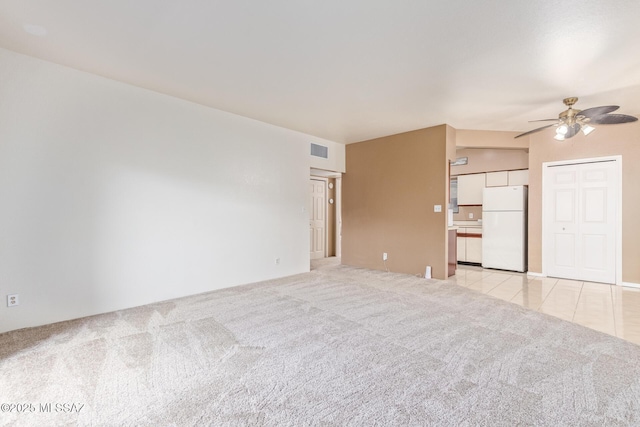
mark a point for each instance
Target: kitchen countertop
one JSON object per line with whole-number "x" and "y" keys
{"x": 467, "y": 224}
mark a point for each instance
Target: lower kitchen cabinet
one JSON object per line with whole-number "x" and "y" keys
{"x": 474, "y": 248}
{"x": 461, "y": 246}
{"x": 469, "y": 244}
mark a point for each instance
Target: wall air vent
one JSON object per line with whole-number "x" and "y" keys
{"x": 460, "y": 161}
{"x": 319, "y": 151}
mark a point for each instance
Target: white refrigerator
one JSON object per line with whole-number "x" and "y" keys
{"x": 504, "y": 228}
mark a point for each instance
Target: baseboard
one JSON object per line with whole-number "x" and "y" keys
{"x": 626, "y": 284}
{"x": 534, "y": 274}
{"x": 631, "y": 285}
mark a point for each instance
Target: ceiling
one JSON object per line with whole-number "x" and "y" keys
{"x": 350, "y": 70}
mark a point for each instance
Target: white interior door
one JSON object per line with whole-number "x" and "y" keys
{"x": 317, "y": 218}
{"x": 580, "y": 203}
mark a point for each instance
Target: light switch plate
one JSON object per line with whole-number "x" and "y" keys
{"x": 470, "y": 215}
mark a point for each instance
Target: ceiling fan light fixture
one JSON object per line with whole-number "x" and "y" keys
{"x": 562, "y": 130}
{"x": 559, "y": 137}
{"x": 586, "y": 129}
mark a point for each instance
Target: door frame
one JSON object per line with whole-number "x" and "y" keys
{"x": 338, "y": 217}
{"x": 618, "y": 217}
{"x": 326, "y": 211}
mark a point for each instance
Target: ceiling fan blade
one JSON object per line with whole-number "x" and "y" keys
{"x": 612, "y": 119}
{"x": 543, "y": 120}
{"x": 572, "y": 130}
{"x": 597, "y": 111}
{"x": 535, "y": 130}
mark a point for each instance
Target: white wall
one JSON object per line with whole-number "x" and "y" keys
{"x": 335, "y": 160}
{"x": 112, "y": 196}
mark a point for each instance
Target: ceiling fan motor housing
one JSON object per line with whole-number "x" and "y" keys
{"x": 569, "y": 116}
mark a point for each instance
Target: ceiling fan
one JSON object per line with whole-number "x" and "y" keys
{"x": 572, "y": 121}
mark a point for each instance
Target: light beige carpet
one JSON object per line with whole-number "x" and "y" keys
{"x": 337, "y": 346}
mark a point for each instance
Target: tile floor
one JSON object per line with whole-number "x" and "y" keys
{"x": 614, "y": 310}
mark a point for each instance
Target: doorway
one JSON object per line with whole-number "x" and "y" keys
{"x": 581, "y": 238}
{"x": 325, "y": 214}
{"x": 317, "y": 217}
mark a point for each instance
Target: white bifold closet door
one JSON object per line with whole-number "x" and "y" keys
{"x": 580, "y": 204}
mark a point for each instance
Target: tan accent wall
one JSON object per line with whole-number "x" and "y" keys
{"x": 605, "y": 141}
{"x": 464, "y": 211}
{"x": 466, "y": 138}
{"x": 389, "y": 191}
{"x": 491, "y": 160}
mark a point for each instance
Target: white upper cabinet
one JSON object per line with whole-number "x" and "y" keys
{"x": 470, "y": 189}
{"x": 497, "y": 179}
{"x": 520, "y": 177}
{"x": 470, "y": 186}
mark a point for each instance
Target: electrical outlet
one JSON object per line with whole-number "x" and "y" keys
{"x": 384, "y": 256}
{"x": 437, "y": 208}
{"x": 470, "y": 215}
{"x": 12, "y": 300}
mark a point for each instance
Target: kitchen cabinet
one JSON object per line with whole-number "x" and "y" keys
{"x": 469, "y": 243}
{"x": 470, "y": 189}
{"x": 519, "y": 177}
{"x": 497, "y": 179}
{"x": 474, "y": 245}
{"x": 461, "y": 246}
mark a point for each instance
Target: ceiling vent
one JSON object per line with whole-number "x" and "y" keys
{"x": 319, "y": 151}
